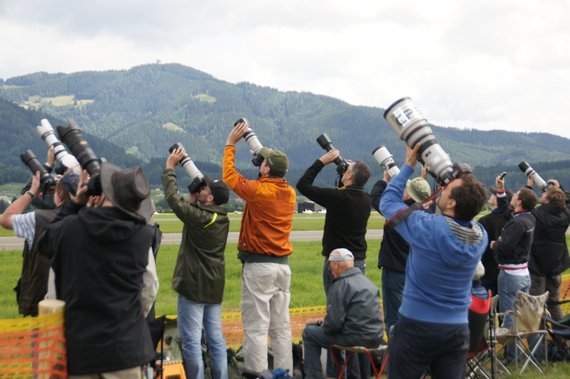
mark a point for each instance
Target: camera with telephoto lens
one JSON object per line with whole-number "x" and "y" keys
{"x": 45, "y": 131}
{"x": 386, "y": 160}
{"x": 197, "y": 180}
{"x": 412, "y": 127}
{"x": 71, "y": 135}
{"x": 325, "y": 142}
{"x": 253, "y": 142}
{"x": 537, "y": 179}
{"x": 29, "y": 159}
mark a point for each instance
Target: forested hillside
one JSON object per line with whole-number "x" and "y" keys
{"x": 134, "y": 115}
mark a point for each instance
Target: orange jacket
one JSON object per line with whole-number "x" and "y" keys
{"x": 267, "y": 218}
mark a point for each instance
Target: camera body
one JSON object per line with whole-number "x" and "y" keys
{"x": 31, "y": 161}
{"x": 531, "y": 173}
{"x": 386, "y": 160}
{"x": 325, "y": 142}
{"x": 46, "y": 132}
{"x": 197, "y": 180}
{"x": 253, "y": 142}
{"x": 412, "y": 127}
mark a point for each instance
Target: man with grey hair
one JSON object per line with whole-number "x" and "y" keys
{"x": 353, "y": 313}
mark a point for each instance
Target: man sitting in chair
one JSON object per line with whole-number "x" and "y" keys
{"x": 353, "y": 314}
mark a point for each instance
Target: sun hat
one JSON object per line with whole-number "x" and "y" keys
{"x": 128, "y": 189}
{"x": 418, "y": 189}
{"x": 479, "y": 271}
{"x": 276, "y": 160}
{"x": 341, "y": 255}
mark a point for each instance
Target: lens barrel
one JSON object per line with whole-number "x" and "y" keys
{"x": 31, "y": 161}
{"x": 531, "y": 173}
{"x": 325, "y": 143}
{"x": 386, "y": 160}
{"x": 196, "y": 177}
{"x": 46, "y": 132}
{"x": 71, "y": 135}
{"x": 412, "y": 127}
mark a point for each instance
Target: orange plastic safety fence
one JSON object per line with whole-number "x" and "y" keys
{"x": 233, "y": 327}
{"x": 33, "y": 347}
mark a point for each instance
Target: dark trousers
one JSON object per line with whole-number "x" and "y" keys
{"x": 416, "y": 346}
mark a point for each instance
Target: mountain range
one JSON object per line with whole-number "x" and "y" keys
{"x": 133, "y": 116}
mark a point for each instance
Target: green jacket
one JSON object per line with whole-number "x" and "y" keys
{"x": 199, "y": 274}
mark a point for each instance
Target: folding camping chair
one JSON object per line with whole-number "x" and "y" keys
{"x": 479, "y": 351}
{"x": 527, "y": 316}
{"x": 559, "y": 331}
{"x": 378, "y": 370}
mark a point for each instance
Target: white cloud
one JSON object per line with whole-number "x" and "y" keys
{"x": 484, "y": 64}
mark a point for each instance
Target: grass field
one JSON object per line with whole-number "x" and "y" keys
{"x": 306, "y": 265}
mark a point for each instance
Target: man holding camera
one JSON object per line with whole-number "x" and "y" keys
{"x": 444, "y": 251}
{"x": 33, "y": 283}
{"x": 348, "y": 209}
{"x": 100, "y": 258}
{"x": 264, "y": 247}
{"x": 199, "y": 274}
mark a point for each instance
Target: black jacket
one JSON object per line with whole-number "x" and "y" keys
{"x": 549, "y": 254}
{"x": 493, "y": 224}
{"x": 100, "y": 257}
{"x": 516, "y": 239}
{"x": 394, "y": 249}
{"x": 348, "y": 210}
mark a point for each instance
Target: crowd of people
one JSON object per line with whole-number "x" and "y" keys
{"x": 95, "y": 250}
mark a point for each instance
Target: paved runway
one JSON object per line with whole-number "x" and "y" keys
{"x": 15, "y": 243}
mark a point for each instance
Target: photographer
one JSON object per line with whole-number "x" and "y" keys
{"x": 33, "y": 283}
{"x": 549, "y": 251}
{"x": 264, "y": 247}
{"x": 348, "y": 210}
{"x": 394, "y": 249}
{"x": 199, "y": 274}
{"x": 444, "y": 251}
{"x": 100, "y": 258}
{"x": 501, "y": 212}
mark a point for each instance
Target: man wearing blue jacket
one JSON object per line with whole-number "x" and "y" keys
{"x": 432, "y": 332}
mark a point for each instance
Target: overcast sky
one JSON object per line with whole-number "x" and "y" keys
{"x": 484, "y": 64}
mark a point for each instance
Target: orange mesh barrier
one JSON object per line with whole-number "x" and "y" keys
{"x": 33, "y": 347}
{"x": 233, "y": 327}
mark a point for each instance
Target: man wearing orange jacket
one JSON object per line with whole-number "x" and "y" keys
{"x": 264, "y": 247}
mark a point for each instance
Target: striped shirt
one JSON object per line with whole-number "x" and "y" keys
{"x": 25, "y": 226}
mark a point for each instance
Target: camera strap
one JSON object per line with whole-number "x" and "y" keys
{"x": 403, "y": 213}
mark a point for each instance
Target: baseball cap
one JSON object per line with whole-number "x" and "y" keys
{"x": 341, "y": 255}
{"x": 276, "y": 160}
{"x": 220, "y": 191}
{"x": 418, "y": 189}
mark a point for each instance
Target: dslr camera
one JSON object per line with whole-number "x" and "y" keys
{"x": 252, "y": 141}
{"x": 197, "y": 180}
{"x": 386, "y": 160}
{"x": 411, "y": 126}
{"x": 45, "y": 131}
{"x": 71, "y": 135}
{"x": 531, "y": 173}
{"x": 325, "y": 142}
{"x": 32, "y": 162}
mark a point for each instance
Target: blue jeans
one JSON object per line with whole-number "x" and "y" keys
{"x": 392, "y": 292}
{"x": 192, "y": 317}
{"x": 509, "y": 285}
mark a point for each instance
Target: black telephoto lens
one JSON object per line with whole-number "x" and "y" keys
{"x": 325, "y": 142}
{"x": 31, "y": 161}
{"x": 71, "y": 135}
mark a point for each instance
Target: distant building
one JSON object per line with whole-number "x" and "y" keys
{"x": 309, "y": 207}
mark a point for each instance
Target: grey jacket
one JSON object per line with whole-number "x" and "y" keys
{"x": 353, "y": 310}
